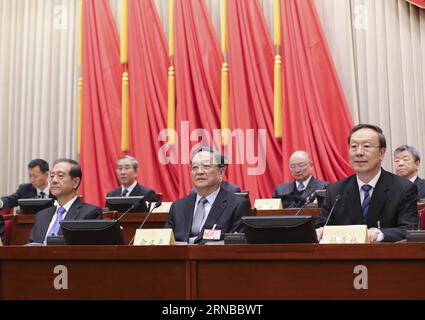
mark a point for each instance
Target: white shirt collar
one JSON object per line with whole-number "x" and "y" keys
{"x": 413, "y": 179}
{"x": 305, "y": 182}
{"x": 45, "y": 190}
{"x": 67, "y": 205}
{"x": 372, "y": 182}
{"x": 130, "y": 188}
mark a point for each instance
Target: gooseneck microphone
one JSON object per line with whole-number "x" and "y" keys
{"x": 157, "y": 204}
{"x": 338, "y": 197}
{"x": 308, "y": 200}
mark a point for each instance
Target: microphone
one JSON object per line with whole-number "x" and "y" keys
{"x": 157, "y": 204}
{"x": 308, "y": 200}
{"x": 134, "y": 205}
{"x": 338, "y": 197}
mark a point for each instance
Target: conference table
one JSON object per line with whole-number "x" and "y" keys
{"x": 21, "y": 224}
{"x": 216, "y": 272}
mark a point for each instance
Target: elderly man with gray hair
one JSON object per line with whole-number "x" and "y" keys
{"x": 407, "y": 160}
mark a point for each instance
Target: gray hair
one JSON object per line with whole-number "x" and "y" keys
{"x": 221, "y": 160}
{"x": 133, "y": 160}
{"x": 415, "y": 152}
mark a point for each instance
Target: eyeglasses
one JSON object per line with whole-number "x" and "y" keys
{"x": 365, "y": 147}
{"x": 300, "y": 165}
{"x": 202, "y": 167}
{"x": 121, "y": 168}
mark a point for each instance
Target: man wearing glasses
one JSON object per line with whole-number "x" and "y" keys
{"x": 295, "y": 193}
{"x": 386, "y": 203}
{"x": 211, "y": 211}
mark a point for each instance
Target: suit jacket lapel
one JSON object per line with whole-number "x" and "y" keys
{"x": 351, "y": 198}
{"x": 189, "y": 208}
{"x": 72, "y": 213}
{"x": 217, "y": 209}
{"x": 420, "y": 184}
{"x": 379, "y": 198}
{"x": 310, "y": 188}
{"x": 137, "y": 190}
{"x": 49, "y": 217}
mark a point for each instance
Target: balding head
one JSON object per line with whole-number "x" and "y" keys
{"x": 300, "y": 165}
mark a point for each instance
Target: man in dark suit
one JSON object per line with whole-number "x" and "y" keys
{"x": 295, "y": 193}
{"x": 127, "y": 167}
{"x": 38, "y": 172}
{"x": 407, "y": 160}
{"x": 212, "y": 209}
{"x": 65, "y": 179}
{"x": 379, "y": 199}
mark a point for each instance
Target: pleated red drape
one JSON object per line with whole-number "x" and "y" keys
{"x": 147, "y": 68}
{"x": 251, "y": 97}
{"x": 101, "y": 116}
{"x": 315, "y": 112}
{"x": 197, "y": 62}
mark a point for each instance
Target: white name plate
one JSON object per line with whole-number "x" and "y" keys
{"x": 345, "y": 234}
{"x": 154, "y": 237}
{"x": 268, "y": 204}
{"x": 164, "y": 207}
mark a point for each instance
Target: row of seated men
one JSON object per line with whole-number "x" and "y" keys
{"x": 385, "y": 202}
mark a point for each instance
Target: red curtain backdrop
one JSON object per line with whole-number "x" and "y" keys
{"x": 251, "y": 57}
{"x": 315, "y": 112}
{"x": 101, "y": 116}
{"x": 147, "y": 67}
{"x": 197, "y": 62}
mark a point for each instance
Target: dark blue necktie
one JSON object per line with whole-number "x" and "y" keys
{"x": 366, "y": 201}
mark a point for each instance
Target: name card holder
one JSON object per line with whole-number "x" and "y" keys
{"x": 154, "y": 237}
{"x": 268, "y": 204}
{"x": 345, "y": 234}
{"x": 164, "y": 207}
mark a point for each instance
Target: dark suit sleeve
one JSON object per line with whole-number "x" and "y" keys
{"x": 94, "y": 214}
{"x": 325, "y": 209}
{"x": 276, "y": 193}
{"x": 12, "y": 200}
{"x": 171, "y": 218}
{"x": 36, "y": 231}
{"x": 243, "y": 208}
{"x": 150, "y": 196}
{"x": 408, "y": 217}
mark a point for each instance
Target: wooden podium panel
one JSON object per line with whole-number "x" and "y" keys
{"x": 217, "y": 272}
{"x": 96, "y": 272}
{"x": 305, "y": 272}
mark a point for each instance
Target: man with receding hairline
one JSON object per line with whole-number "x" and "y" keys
{"x": 65, "y": 178}
{"x": 294, "y": 194}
